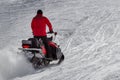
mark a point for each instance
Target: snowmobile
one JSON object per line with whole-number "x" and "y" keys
{"x": 36, "y": 53}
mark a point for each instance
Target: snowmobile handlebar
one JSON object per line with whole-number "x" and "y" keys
{"x": 51, "y": 35}
{"x": 55, "y": 33}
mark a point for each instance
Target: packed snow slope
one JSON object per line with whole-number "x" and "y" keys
{"x": 88, "y": 32}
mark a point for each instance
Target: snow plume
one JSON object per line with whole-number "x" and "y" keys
{"x": 13, "y": 64}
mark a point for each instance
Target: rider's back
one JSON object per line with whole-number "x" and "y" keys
{"x": 38, "y": 25}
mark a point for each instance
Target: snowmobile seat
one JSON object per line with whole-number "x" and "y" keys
{"x": 35, "y": 43}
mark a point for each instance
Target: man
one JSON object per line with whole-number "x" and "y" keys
{"x": 38, "y": 26}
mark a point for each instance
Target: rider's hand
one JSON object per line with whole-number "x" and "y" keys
{"x": 51, "y": 31}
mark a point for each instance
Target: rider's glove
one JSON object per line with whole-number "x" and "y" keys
{"x": 51, "y": 31}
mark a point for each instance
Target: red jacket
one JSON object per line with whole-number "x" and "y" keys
{"x": 38, "y": 25}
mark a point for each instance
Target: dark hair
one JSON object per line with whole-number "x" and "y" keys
{"x": 39, "y": 12}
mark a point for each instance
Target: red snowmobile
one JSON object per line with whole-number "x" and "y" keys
{"x": 35, "y": 51}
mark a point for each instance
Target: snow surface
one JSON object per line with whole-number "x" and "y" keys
{"x": 88, "y": 32}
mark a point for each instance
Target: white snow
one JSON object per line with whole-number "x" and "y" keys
{"x": 88, "y": 34}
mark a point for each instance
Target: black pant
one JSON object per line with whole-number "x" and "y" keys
{"x": 45, "y": 42}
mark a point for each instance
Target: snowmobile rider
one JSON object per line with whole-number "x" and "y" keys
{"x": 38, "y": 26}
